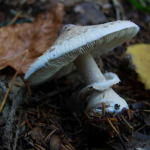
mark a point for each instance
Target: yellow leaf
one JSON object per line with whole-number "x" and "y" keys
{"x": 140, "y": 55}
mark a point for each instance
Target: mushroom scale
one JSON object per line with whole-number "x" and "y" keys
{"x": 78, "y": 40}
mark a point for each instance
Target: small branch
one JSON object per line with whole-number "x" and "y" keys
{"x": 15, "y": 18}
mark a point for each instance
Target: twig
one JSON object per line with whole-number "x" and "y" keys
{"x": 112, "y": 126}
{"x": 117, "y": 7}
{"x": 78, "y": 120}
{"x": 50, "y": 94}
{"x": 145, "y": 103}
{"x": 15, "y": 18}
{"x": 51, "y": 133}
{"x": 71, "y": 146}
{"x": 119, "y": 10}
{"x": 40, "y": 147}
{"x": 127, "y": 123}
{"x": 122, "y": 142}
{"x": 124, "y": 137}
{"x": 38, "y": 115}
{"x": 32, "y": 144}
{"x": 141, "y": 128}
{"x": 27, "y": 120}
{"x": 110, "y": 141}
{"x": 87, "y": 115}
{"x": 64, "y": 147}
{"x": 128, "y": 112}
{"x": 27, "y": 86}
{"x": 146, "y": 110}
{"x": 22, "y": 124}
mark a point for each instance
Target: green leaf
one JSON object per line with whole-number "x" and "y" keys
{"x": 139, "y": 5}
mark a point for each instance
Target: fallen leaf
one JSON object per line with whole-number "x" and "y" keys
{"x": 37, "y": 37}
{"x": 37, "y": 134}
{"x": 141, "y": 5}
{"x": 55, "y": 142}
{"x": 140, "y": 57}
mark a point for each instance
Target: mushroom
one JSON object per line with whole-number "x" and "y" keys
{"x": 77, "y": 44}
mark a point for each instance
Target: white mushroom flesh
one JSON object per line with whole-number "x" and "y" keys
{"x": 92, "y": 75}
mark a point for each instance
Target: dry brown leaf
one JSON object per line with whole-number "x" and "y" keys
{"x": 37, "y": 134}
{"x": 37, "y": 37}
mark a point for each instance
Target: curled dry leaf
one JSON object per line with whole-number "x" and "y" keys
{"x": 55, "y": 142}
{"x": 37, "y": 37}
{"x": 37, "y": 134}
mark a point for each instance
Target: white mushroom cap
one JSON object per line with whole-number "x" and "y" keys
{"x": 75, "y": 41}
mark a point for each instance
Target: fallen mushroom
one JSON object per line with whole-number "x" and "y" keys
{"x": 75, "y": 44}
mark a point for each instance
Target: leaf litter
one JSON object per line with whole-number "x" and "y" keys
{"x": 47, "y": 110}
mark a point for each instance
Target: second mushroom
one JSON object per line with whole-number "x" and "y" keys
{"x": 78, "y": 44}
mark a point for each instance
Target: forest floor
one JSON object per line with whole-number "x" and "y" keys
{"x": 51, "y": 118}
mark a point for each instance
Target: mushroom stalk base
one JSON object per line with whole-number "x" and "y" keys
{"x": 88, "y": 69}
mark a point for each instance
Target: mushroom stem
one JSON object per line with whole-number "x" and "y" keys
{"x": 88, "y": 69}
{"x": 92, "y": 74}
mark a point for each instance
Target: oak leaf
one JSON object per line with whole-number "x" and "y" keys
{"x": 37, "y": 37}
